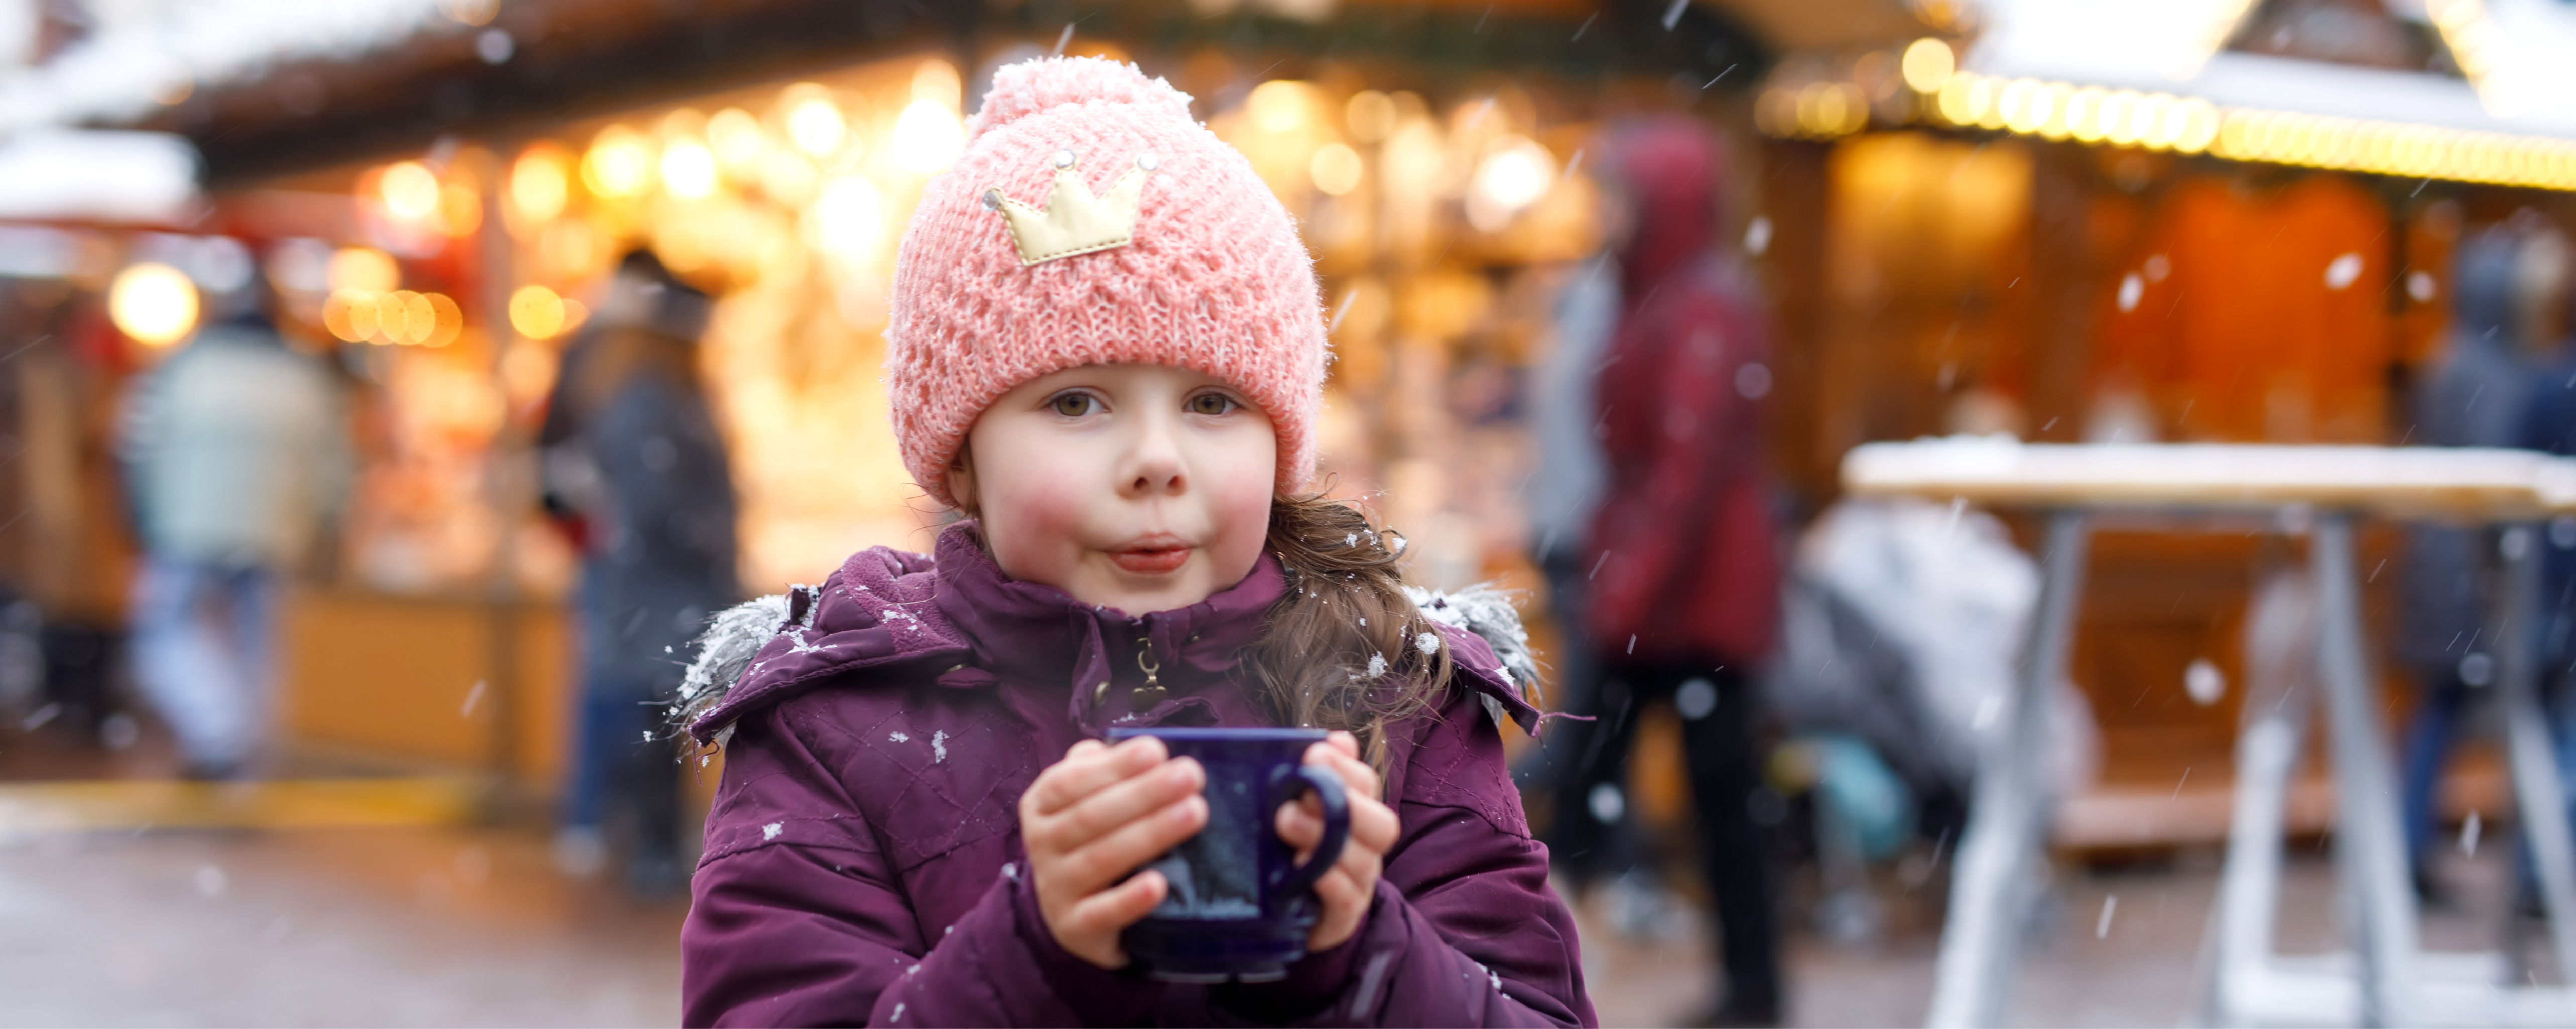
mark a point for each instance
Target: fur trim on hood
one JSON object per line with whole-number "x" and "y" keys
{"x": 729, "y": 650}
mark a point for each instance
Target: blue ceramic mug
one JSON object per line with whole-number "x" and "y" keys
{"x": 1240, "y": 906}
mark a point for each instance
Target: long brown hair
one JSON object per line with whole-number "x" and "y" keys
{"x": 1344, "y": 647}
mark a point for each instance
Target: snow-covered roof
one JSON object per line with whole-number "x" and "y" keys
{"x": 122, "y": 73}
{"x": 92, "y": 175}
{"x": 2525, "y": 56}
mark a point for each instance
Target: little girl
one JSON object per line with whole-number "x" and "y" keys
{"x": 1106, "y": 350}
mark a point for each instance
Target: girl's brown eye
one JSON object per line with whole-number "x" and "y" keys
{"x": 1211, "y": 404}
{"x": 1074, "y": 405}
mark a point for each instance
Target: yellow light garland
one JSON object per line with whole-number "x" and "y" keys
{"x": 2190, "y": 125}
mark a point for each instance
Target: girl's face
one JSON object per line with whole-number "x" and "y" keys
{"x": 1131, "y": 486}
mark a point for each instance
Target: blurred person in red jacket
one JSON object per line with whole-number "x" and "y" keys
{"x": 1684, "y": 579}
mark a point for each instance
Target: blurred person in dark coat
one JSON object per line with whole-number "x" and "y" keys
{"x": 1682, "y": 575}
{"x": 634, "y": 466}
{"x": 2549, "y": 424}
{"x": 2475, "y": 397}
{"x": 235, "y": 457}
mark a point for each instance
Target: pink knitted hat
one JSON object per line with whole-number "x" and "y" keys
{"x": 1211, "y": 276}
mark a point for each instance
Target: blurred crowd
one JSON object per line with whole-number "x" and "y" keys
{"x": 388, "y": 419}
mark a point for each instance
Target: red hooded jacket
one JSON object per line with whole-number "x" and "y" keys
{"x": 1683, "y": 562}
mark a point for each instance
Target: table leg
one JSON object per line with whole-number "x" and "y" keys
{"x": 1991, "y": 888}
{"x": 2369, "y": 848}
{"x": 2539, "y": 795}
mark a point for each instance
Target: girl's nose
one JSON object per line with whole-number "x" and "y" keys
{"x": 1155, "y": 468}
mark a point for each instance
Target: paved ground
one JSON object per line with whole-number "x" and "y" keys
{"x": 321, "y": 927}
{"x": 2120, "y": 947}
{"x": 446, "y": 925}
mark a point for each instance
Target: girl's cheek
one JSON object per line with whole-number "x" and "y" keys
{"x": 1239, "y": 494}
{"x": 1033, "y": 521}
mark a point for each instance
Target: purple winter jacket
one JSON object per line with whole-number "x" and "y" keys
{"x": 863, "y": 861}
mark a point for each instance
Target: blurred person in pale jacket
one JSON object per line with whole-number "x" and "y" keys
{"x": 236, "y": 459}
{"x": 1572, "y": 471}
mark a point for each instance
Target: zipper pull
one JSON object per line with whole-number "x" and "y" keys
{"x": 1151, "y": 693}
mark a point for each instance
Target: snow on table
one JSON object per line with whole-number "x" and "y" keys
{"x": 2416, "y": 482}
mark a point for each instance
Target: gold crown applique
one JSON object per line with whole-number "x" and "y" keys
{"x": 1073, "y": 221}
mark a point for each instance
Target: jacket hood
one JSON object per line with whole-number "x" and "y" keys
{"x": 958, "y": 619}
{"x": 1669, "y": 167}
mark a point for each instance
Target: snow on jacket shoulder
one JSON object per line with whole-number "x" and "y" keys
{"x": 863, "y": 861}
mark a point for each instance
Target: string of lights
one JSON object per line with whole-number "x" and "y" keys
{"x": 2095, "y": 115}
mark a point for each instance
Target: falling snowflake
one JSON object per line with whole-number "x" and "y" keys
{"x": 1351, "y": 539}
{"x": 939, "y": 745}
{"x": 771, "y": 831}
{"x": 899, "y": 737}
{"x": 1428, "y": 643}
{"x": 1397, "y": 546}
{"x": 1377, "y": 665}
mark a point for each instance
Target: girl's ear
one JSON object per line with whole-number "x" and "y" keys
{"x": 961, "y": 479}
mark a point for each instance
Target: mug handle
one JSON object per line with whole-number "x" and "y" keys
{"x": 1285, "y": 785}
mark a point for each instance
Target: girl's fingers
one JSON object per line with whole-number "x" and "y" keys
{"x": 1300, "y": 826}
{"x": 1119, "y": 803}
{"x": 1339, "y": 889}
{"x": 1374, "y": 826}
{"x": 1343, "y": 741}
{"x": 1088, "y": 767}
{"x": 1357, "y": 776}
{"x": 1119, "y": 906}
{"x": 1103, "y": 860}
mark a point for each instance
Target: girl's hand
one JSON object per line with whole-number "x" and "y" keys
{"x": 1092, "y": 818}
{"x": 1349, "y": 889}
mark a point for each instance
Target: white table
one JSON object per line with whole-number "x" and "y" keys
{"x": 2386, "y": 979}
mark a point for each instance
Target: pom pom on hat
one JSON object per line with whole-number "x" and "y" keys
{"x": 1209, "y": 276}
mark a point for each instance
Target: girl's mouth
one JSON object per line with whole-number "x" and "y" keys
{"x": 1152, "y": 556}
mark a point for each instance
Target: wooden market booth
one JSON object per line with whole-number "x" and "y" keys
{"x": 2000, "y": 230}
{"x": 501, "y": 159}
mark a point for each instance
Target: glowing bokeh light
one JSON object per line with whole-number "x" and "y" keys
{"x": 540, "y": 183}
{"x": 816, "y": 126}
{"x": 936, "y": 82}
{"x": 537, "y": 312}
{"x": 619, "y": 164}
{"x": 1278, "y": 105}
{"x": 1928, "y": 65}
{"x": 153, "y": 303}
{"x": 1514, "y": 174}
{"x": 927, "y": 137}
{"x": 1370, "y": 115}
{"x": 1336, "y": 169}
{"x": 736, "y": 138}
{"x": 350, "y": 315}
{"x": 408, "y": 190}
{"x": 849, "y": 218}
{"x": 363, "y": 268}
{"x": 688, "y": 169}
